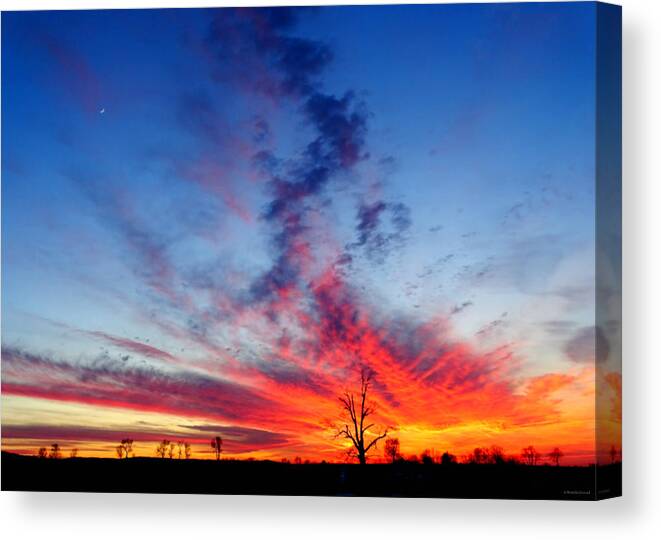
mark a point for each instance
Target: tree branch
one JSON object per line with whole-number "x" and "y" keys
{"x": 376, "y": 440}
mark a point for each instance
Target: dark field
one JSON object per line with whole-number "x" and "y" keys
{"x": 149, "y": 475}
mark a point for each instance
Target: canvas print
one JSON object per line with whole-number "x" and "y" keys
{"x": 335, "y": 251}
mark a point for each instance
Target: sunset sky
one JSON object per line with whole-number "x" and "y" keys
{"x": 212, "y": 218}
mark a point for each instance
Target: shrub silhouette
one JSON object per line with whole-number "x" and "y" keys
{"x": 496, "y": 455}
{"x": 555, "y": 455}
{"x": 426, "y": 458}
{"x": 125, "y": 448}
{"x": 55, "y": 452}
{"x": 162, "y": 448}
{"x": 479, "y": 456}
{"x": 529, "y": 455}
{"x": 217, "y": 445}
{"x": 391, "y": 450}
{"x": 448, "y": 459}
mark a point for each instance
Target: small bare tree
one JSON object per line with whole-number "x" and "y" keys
{"x": 496, "y": 455}
{"x": 530, "y": 456}
{"x": 73, "y": 453}
{"x": 43, "y": 452}
{"x": 217, "y": 445}
{"x": 119, "y": 450}
{"x": 555, "y": 455}
{"x": 125, "y": 448}
{"x": 162, "y": 448}
{"x": 187, "y": 450}
{"x": 171, "y": 449}
{"x": 55, "y": 452}
{"x": 479, "y": 456}
{"x": 391, "y": 450}
{"x": 180, "y": 449}
{"x": 356, "y": 410}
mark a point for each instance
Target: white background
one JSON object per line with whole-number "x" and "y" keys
{"x": 636, "y": 515}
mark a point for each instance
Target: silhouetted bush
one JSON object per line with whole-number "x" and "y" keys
{"x": 448, "y": 459}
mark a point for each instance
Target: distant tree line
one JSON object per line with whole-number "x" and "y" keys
{"x": 493, "y": 455}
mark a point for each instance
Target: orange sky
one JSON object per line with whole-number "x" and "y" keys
{"x": 431, "y": 392}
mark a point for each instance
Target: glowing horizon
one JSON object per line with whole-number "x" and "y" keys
{"x": 209, "y": 228}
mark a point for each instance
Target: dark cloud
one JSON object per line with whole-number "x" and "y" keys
{"x": 292, "y": 375}
{"x": 582, "y": 347}
{"x": 255, "y": 48}
{"x": 368, "y": 220}
{"x": 458, "y": 308}
{"x": 534, "y": 203}
{"x": 381, "y": 228}
{"x": 559, "y": 327}
{"x": 492, "y": 327}
{"x": 237, "y": 439}
{"x": 143, "y": 349}
{"x": 81, "y": 433}
{"x": 576, "y": 296}
{"x": 261, "y": 131}
{"x": 108, "y": 382}
{"x": 341, "y": 124}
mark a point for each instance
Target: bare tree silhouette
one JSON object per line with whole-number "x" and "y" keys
{"x": 529, "y": 455}
{"x": 162, "y": 448}
{"x": 180, "y": 449}
{"x": 391, "y": 450}
{"x": 171, "y": 449}
{"x": 496, "y": 455}
{"x": 187, "y": 450}
{"x": 125, "y": 448}
{"x": 73, "y": 453}
{"x": 119, "y": 450}
{"x": 42, "y": 452}
{"x": 217, "y": 445}
{"x": 55, "y": 452}
{"x": 613, "y": 454}
{"x": 479, "y": 456}
{"x": 555, "y": 455}
{"x": 357, "y": 409}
